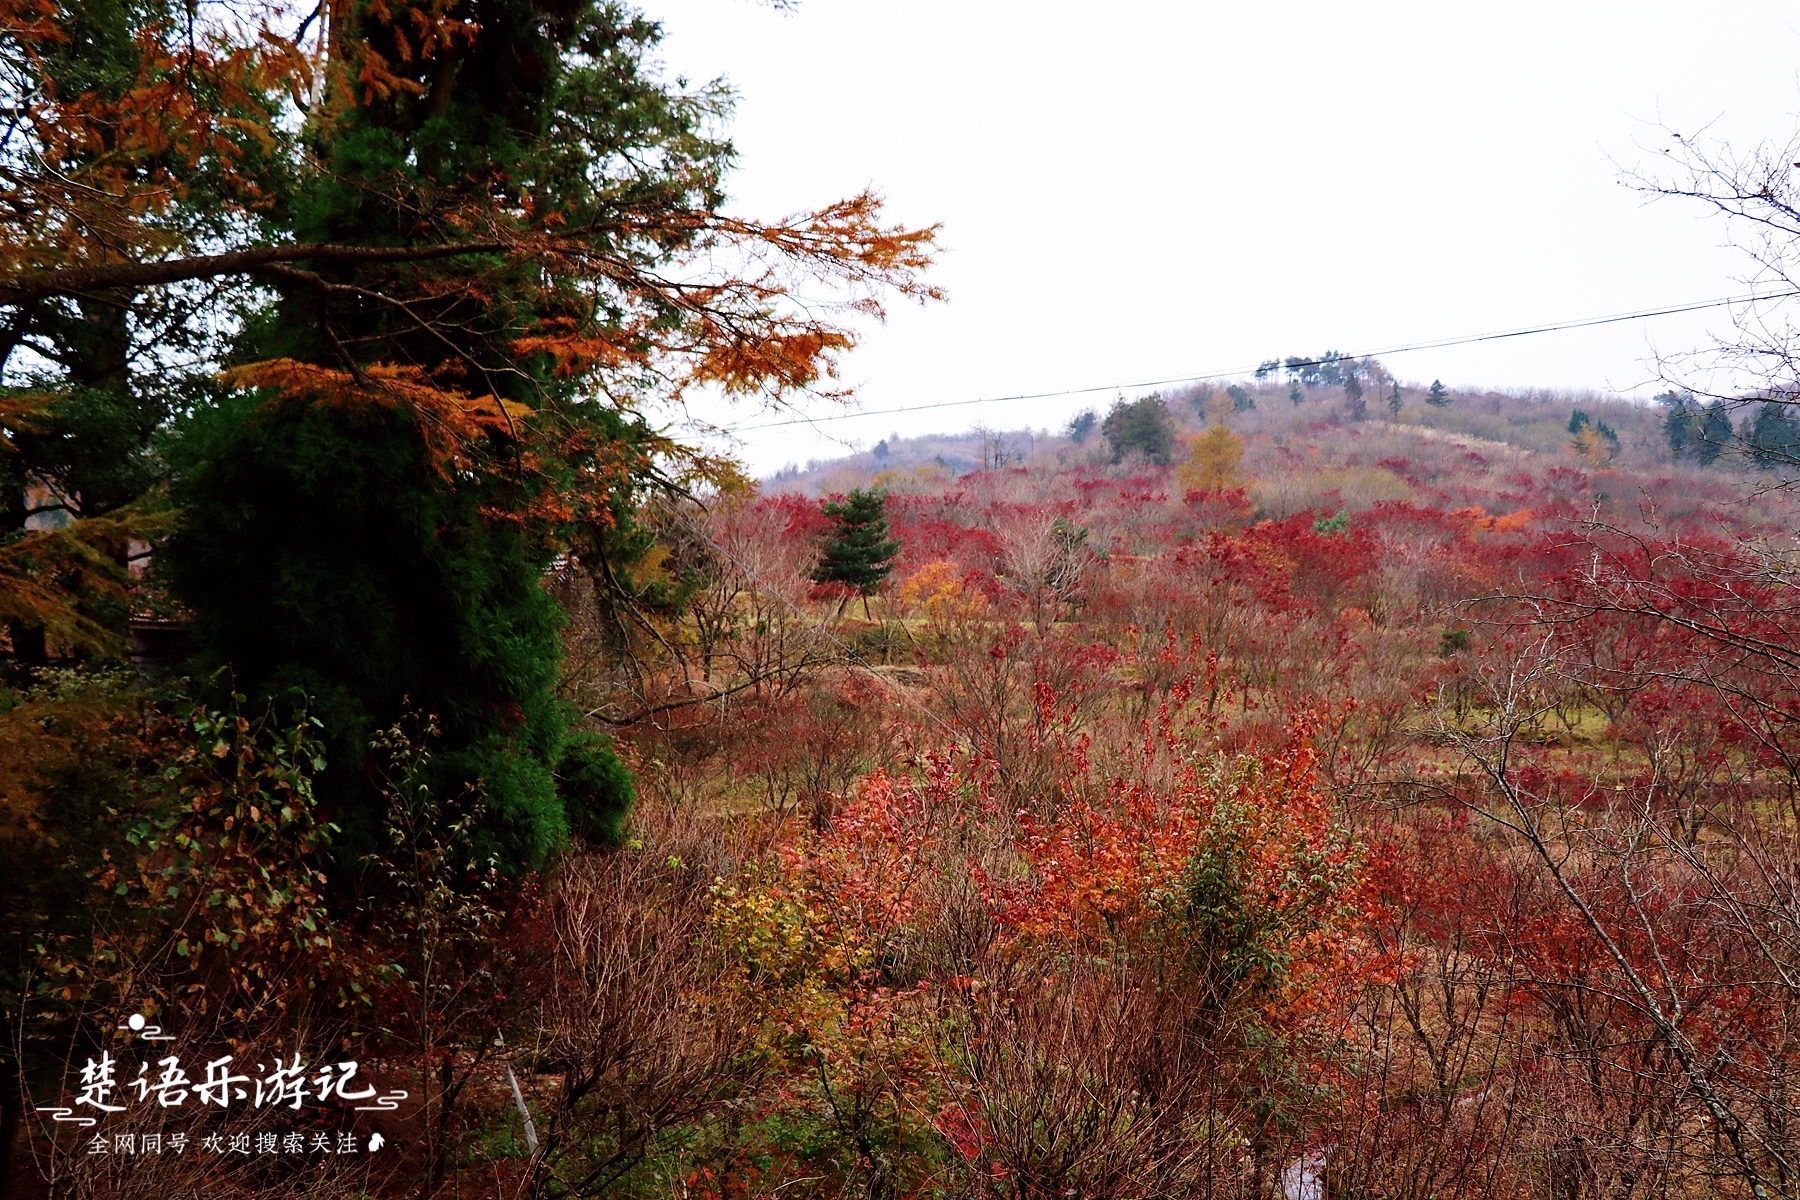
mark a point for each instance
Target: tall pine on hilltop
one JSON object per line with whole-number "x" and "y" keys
{"x": 858, "y": 553}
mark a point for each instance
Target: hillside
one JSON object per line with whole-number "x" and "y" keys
{"x": 1136, "y": 838}
{"x": 1498, "y": 451}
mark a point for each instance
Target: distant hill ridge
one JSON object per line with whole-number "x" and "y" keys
{"x": 1535, "y": 422}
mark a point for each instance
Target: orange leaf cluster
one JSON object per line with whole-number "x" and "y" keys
{"x": 456, "y": 427}
{"x": 97, "y": 172}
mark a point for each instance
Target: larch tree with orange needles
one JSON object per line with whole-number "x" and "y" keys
{"x": 436, "y": 259}
{"x": 128, "y": 135}
{"x": 357, "y": 317}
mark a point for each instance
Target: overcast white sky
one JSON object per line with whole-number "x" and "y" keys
{"x": 1139, "y": 190}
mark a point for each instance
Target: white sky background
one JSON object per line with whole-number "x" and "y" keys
{"x": 1142, "y": 189}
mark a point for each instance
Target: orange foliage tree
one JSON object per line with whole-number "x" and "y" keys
{"x": 377, "y": 301}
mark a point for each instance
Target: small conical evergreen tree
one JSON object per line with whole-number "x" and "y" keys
{"x": 1439, "y": 395}
{"x": 858, "y": 552}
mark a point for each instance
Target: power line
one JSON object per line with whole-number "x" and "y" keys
{"x": 1440, "y": 344}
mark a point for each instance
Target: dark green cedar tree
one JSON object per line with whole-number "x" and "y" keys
{"x": 330, "y": 549}
{"x": 1774, "y": 437}
{"x": 1716, "y": 433}
{"x": 1678, "y": 422}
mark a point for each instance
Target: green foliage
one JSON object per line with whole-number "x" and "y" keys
{"x": 156, "y": 857}
{"x": 1241, "y": 399}
{"x": 74, "y": 772}
{"x": 858, "y": 554}
{"x": 109, "y": 366}
{"x": 596, "y": 788}
{"x": 1438, "y": 395}
{"x": 1680, "y": 422}
{"x": 1071, "y": 539}
{"x": 1774, "y": 437}
{"x": 1081, "y": 425}
{"x": 1592, "y": 440}
{"x": 336, "y": 545}
{"x": 241, "y": 870}
{"x": 1331, "y": 523}
{"x": 1716, "y": 433}
{"x": 1143, "y": 427}
{"x": 320, "y": 550}
{"x": 1393, "y": 401}
{"x": 1242, "y": 927}
{"x": 1226, "y": 941}
{"x": 1295, "y": 395}
{"x": 1325, "y": 370}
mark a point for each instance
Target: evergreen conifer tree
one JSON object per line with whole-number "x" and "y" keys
{"x": 1716, "y": 433}
{"x": 1394, "y": 402}
{"x": 432, "y": 247}
{"x": 332, "y": 542}
{"x": 1142, "y": 426}
{"x": 1774, "y": 437}
{"x": 1081, "y": 426}
{"x": 1438, "y": 396}
{"x": 107, "y": 365}
{"x": 858, "y": 553}
{"x": 1678, "y": 422}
